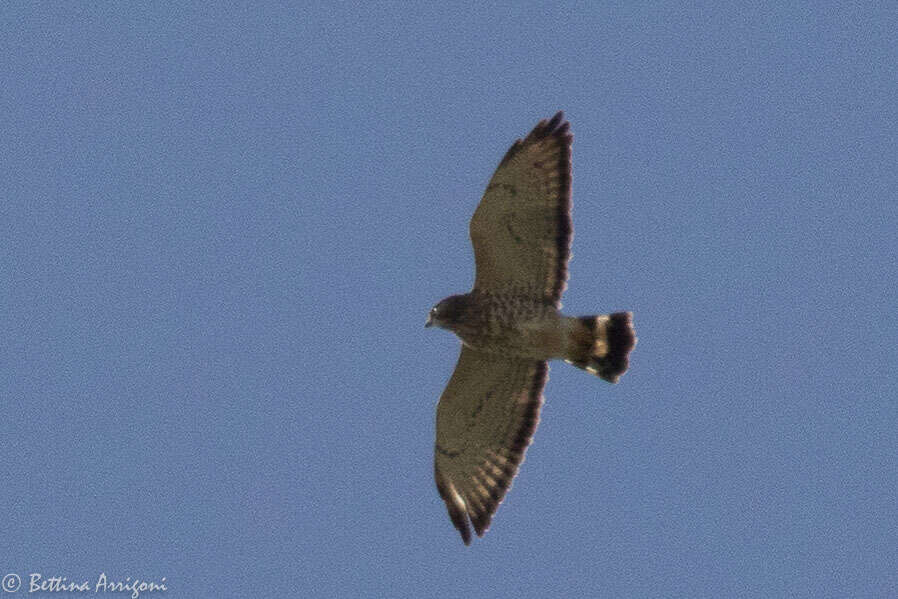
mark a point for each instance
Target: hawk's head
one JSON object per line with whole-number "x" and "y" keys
{"x": 448, "y": 313}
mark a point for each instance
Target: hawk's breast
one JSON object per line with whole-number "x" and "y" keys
{"x": 512, "y": 325}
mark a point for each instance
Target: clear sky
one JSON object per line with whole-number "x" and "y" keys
{"x": 222, "y": 228}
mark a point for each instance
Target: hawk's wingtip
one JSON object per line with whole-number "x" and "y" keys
{"x": 456, "y": 507}
{"x": 557, "y": 125}
{"x": 556, "y": 120}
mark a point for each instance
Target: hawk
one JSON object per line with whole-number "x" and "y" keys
{"x": 510, "y": 326}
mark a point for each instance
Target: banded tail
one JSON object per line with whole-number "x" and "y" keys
{"x": 602, "y": 344}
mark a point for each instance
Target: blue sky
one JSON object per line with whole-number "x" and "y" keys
{"x": 223, "y": 227}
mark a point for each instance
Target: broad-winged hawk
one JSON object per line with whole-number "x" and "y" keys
{"x": 510, "y": 325}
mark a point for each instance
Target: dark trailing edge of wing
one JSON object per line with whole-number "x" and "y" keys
{"x": 531, "y": 416}
{"x": 560, "y": 129}
{"x": 517, "y": 448}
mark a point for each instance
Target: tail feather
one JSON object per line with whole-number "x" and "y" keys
{"x": 602, "y": 344}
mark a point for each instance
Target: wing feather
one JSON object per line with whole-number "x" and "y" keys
{"x": 522, "y": 229}
{"x": 486, "y": 418}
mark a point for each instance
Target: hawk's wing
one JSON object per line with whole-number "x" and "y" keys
{"x": 521, "y": 231}
{"x": 485, "y": 420}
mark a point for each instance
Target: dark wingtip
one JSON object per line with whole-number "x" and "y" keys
{"x": 621, "y": 341}
{"x": 457, "y": 514}
{"x": 482, "y": 523}
{"x": 557, "y": 126}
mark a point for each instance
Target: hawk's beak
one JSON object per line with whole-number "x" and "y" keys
{"x": 429, "y": 322}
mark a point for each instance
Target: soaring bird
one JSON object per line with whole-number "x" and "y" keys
{"x": 510, "y": 325}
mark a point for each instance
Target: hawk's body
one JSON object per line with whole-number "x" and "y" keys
{"x": 510, "y": 325}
